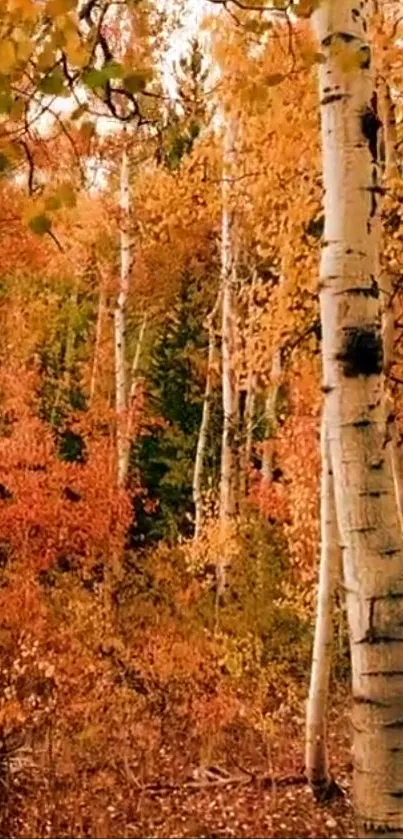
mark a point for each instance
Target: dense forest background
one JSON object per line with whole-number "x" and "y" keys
{"x": 153, "y": 678}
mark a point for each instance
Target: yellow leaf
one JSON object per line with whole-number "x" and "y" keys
{"x": 17, "y": 110}
{"x": 66, "y": 194}
{"x": 25, "y": 9}
{"x": 46, "y": 57}
{"x": 75, "y": 51}
{"x": 55, "y": 8}
{"x": 7, "y": 56}
{"x": 24, "y": 49}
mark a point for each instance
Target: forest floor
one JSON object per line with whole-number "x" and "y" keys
{"x": 253, "y": 807}
{"x": 167, "y": 798}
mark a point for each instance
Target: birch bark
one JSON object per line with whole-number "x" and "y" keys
{"x": 204, "y": 426}
{"x": 227, "y": 499}
{"x": 229, "y": 452}
{"x": 250, "y": 398}
{"x": 130, "y": 407}
{"x": 354, "y": 404}
{"x": 316, "y": 752}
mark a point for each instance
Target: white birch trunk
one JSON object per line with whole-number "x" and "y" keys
{"x": 204, "y": 426}
{"x": 316, "y": 753}
{"x": 354, "y": 405}
{"x": 229, "y": 459}
{"x": 120, "y": 320}
{"x": 250, "y": 399}
{"x": 227, "y": 501}
{"x": 130, "y": 410}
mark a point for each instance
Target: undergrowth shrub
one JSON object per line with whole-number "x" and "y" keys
{"x": 119, "y": 667}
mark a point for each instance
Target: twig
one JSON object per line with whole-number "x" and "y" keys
{"x": 263, "y": 781}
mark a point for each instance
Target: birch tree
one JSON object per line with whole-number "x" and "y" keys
{"x": 354, "y": 405}
{"x": 204, "y": 425}
{"x": 229, "y": 458}
{"x": 120, "y": 317}
{"x": 316, "y": 751}
{"x": 227, "y": 494}
{"x": 126, "y": 386}
{"x": 132, "y": 397}
{"x": 246, "y": 433}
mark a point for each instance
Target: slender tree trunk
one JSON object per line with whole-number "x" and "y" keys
{"x": 202, "y": 438}
{"x": 316, "y": 755}
{"x": 354, "y": 405}
{"x": 250, "y": 399}
{"x": 227, "y": 502}
{"x": 204, "y": 425}
{"x": 271, "y": 417}
{"x": 250, "y": 403}
{"x": 388, "y": 112}
{"x": 229, "y": 458}
{"x": 134, "y": 381}
{"x": 98, "y": 341}
{"x": 388, "y": 300}
{"x": 120, "y": 321}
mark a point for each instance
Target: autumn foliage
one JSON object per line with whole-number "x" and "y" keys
{"x": 124, "y": 670}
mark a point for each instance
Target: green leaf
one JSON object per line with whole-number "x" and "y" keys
{"x": 5, "y": 83}
{"x": 113, "y": 70}
{"x": 40, "y": 224}
{"x": 94, "y": 78}
{"x": 5, "y": 164}
{"x": 53, "y": 203}
{"x": 135, "y": 82}
{"x": 97, "y": 78}
{"x": 54, "y": 83}
{"x": 6, "y": 103}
